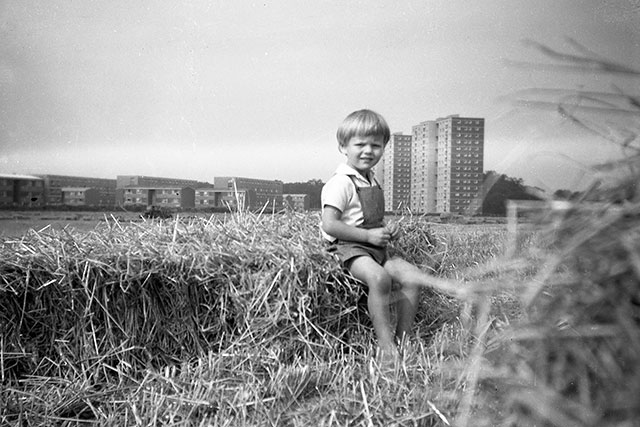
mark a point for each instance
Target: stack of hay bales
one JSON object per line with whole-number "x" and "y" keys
{"x": 126, "y": 297}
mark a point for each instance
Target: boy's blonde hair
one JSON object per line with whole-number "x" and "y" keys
{"x": 363, "y": 123}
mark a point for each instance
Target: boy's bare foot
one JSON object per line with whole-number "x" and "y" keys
{"x": 387, "y": 360}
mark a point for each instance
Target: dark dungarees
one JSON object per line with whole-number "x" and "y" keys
{"x": 372, "y": 201}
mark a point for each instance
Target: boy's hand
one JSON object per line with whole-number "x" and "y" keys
{"x": 378, "y": 236}
{"x": 394, "y": 230}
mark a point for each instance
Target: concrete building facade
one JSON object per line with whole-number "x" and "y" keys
{"x": 235, "y": 200}
{"x": 80, "y": 196}
{"x": 438, "y": 168}
{"x": 123, "y": 181}
{"x": 140, "y": 191}
{"x": 206, "y": 197}
{"x": 296, "y": 202}
{"x": 21, "y": 191}
{"x": 159, "y": 196}
{"x": 260, "y": 193}
{"x": 396, "y": 172}
{"x": 460, "y": 164}
{"x": 424, "y": 161}
{"x": 53, "y": 184}
{"x": 147, "y": 191}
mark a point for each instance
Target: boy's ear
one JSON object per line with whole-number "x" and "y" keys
{"x": 342, "y": 148}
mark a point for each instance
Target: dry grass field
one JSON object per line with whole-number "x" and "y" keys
{"x": 17, "y": 223}
{"x": 244, "y": 319}
{"x": 239, "y": 319}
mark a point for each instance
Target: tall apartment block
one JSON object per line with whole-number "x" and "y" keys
{"x": 460, "y": 164}
{"x": 396, "y": 172}
{"x": 424, "y": 161}
{"x": 438, "y": 168}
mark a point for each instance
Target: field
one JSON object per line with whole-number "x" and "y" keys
{"x": 244, "y": 319}
{"x": 17, "y": 223}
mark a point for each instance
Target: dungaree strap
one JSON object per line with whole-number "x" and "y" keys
{"x": 372, "y": 202}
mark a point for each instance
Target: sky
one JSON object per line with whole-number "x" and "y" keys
{"x": 198, "y": 89}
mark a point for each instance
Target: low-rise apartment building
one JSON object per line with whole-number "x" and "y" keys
{"x": 53, "y": 194}
{"x": 261, "y": 193}
{"x": 141, "y": 191}
{"x": 211, "y": 197}
{"x": 21, "y": 190}
{"x": 80, "y": 196}
{"x": 147, "y": 191}
{"x": 296, "y": 202}
{"x": 165, "y": 196}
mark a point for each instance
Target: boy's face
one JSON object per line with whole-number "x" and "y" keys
{"x": 363, "y": 152}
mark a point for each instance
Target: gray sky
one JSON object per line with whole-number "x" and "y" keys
{"x": 202, "y": 88}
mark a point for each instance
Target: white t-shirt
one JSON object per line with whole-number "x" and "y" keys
{"x": 340, "y": 193}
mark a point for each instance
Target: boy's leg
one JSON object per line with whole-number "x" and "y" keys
{"x": 409, "y": 278}
{"x": 366, "y": 269}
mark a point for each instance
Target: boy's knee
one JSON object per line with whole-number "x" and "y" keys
{"x": 381, "y": 282}
{"x": 410, "y": 286}
{"x": 413, "y": 284}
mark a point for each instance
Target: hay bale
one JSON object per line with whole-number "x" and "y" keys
{"x": 134, "y": 295}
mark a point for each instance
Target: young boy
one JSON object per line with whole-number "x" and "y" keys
{"x": 353, "y": 221}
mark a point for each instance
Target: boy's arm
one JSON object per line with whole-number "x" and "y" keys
{"x": 332, "y": 225}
